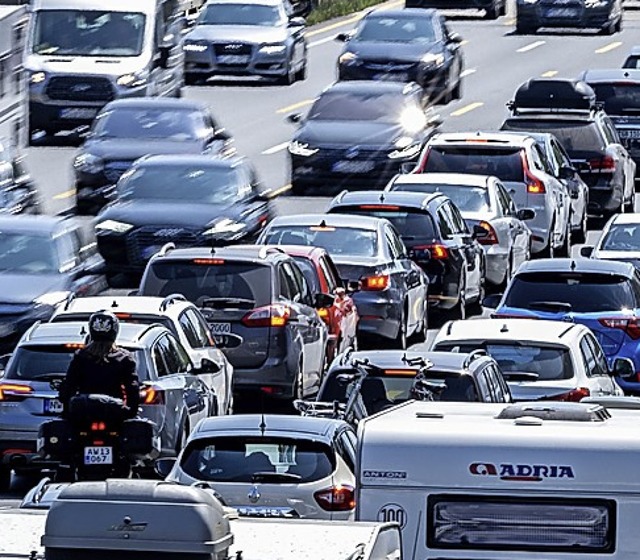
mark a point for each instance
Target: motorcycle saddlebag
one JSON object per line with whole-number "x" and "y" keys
{"x": 86, "y": 409}
{"x": 55, "y": 438}
{"x": 139, "y": 438}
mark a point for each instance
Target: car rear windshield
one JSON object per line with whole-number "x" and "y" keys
{"x": 504, "y": 163}
{"x": 258, "y": 459}
{"x": 466, "y": 197}
{"x": 310, "y": 273}
{"x": 135, "y": 318}
{"x": 585, "y": 293}
{"x": 619, "y": 99}
{"x": 549, "y": 362}
{"x": 411, "y": 224}
{"x": 578, "y": 136}
{"x": 347, "y": 241}
{"x": 47, "y": 362}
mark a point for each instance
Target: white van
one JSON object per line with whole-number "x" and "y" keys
{"x": 81, "y": 54}
{"x": 480, "y": 481}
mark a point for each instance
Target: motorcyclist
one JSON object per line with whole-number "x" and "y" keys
{"x": 102, "y": 368}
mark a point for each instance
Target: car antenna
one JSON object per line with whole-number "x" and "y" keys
{"x": 263, "y": 424}
{"x": 572, "y": 266}
{"x": 504, "y": 328}
{"x": 323, "y": 224}
{"x": 213, "y": 249}
{"x": 381, "y": 197}
{"x": 83, "y": 332}
{"x": 114, "y": 304}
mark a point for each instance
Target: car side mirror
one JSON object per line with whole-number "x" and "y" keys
{"x": 294, "y": 118}
{"x": 164, "y": 466}
{"x": 297, "y": 22}
{"x": 624, "y": 368}
{"x": 492, "y": 301}
{"x": 343, "y": 37}
{"x": 222, "y": 134}
{"x": 566, "y": 172}
{"x": 434, "y": 121}
{"x": 420, "y": 255}
{"x": 323, "y": 301}
{"x": 525, "y": 214}
{"x": 207, "y": 366}
{"x": 353, "y": 286}
{"x": 407, "y": 167}
{"x": 586, "y": 251}
{"x": 479, "y": 232}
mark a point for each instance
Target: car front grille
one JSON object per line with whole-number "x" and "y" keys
{"x": 145, "y": 241}
{"x": 80, "y": 88}
{"x": 388, "y": 66}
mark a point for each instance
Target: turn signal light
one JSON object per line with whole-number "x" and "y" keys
{"x": 336, "y": 498}
{"x": 491, "y": 238}
{"x": 276, "y": 315}
{"x": 629, "y": 326}
{"x": 323, "y": 312}
{"x": 151, "y": 395}
{"x": 376, "y": 283}
{"x": 13, "y": 391}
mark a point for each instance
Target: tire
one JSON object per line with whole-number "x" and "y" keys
{"x": 301, "y": 74}
{"x": 618, "y": 27}
{"x": 298, "y": 383}
{"x": 5, "y": 478}
{"x": 522, "y": 29}
{"x": 550, "y": 251}
{"x": 290, "y": 76}
{"x": 565, "y": 250}
{"x": 182, "y": 437}
{"x": 493, "y": 12}
{"x": 297, "y": 189}
{"x": 459, "y": 311}
{"x": 507, "y": 274}
{"x": 608, "y": 29}
{"x": 629, "y": 207}
{"x": 457, "y": 91}
{"x": 421, "y": 334}
{"x": 476, "y": 307}
{"x": 580, "y": 236}
{"x": 400, "y": 341}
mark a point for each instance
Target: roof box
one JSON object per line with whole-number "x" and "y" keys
{"x": 140, "y": 518}
{"x": 567, "y": 411}
{"x": 554, "y": 95}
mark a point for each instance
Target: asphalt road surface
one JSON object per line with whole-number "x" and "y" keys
{"x": 496, "y": 62}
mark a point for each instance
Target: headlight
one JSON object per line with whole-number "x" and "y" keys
{"x": 432, "y": 59}
{"x": 113, "y": 226}
{"x": 131, "y": 80}
{"x": 348, "y": 58}
{"x": 301, "y": 149}
{"x": 224, "y": 226}
{"x": 88, "y": 163}
{"x": 194, "y": 47}
{"x": 37, "y": 77}
{"x": 403, "y": 153}
{"x": 273, "y": 49}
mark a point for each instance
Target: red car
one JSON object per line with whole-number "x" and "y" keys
{"x": 322, "y": 275}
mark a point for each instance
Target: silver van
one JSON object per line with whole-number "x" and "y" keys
{"x": 81, "y": 54}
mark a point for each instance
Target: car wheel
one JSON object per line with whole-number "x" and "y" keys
{"x": 298, "y": 383}
{"x": 400, "y": 341}
{"x": 507, "y": 273}
{"x": 629, "y": 207}
{"x": 580, "y": 235}
{"x": 191, "y": 79}
{"x": 550, "y": 251}
{"x": 522, "y": 29}
{"x": 492, "y": 12}
{"x": 5, "y": 478}
{"x": 457, "y": 91}
{"x": 565, "y": 248}
{"x": 421, "y": 334}
{"x": 608, "y": 29}
{"x": 289, "y": 77}
{"x": 476, "y": 306}
{"x": 618, "y": 27}
{"x": 301, "y": 74}
{"x": 183, "y": 435}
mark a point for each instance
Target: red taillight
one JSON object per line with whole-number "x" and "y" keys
{"x": 375, "y": 283}
{"x": 604, "y": 164}
{"x": 422, "y": 164}
{"x": 491, "y": 238}
{"x": 438, "y": 252}
{"x": 98, "y": 426}
{"x": 630, "y": 326}
{"x": 13, "y": 391}
{"x": 336, "y": 498}
{"x": 323, "y": 312}
{"x": 276, "y": 315}
{"x": 575, "y": 395}
{"x": 534, "y": 185}
{"x": 151, "y": 395}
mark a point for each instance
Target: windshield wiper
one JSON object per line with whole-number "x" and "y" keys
{"x": 275, "y": 477}
{"x": 49, "y": 376}
{"x": 520, "y": 376}
{"x": 557, "y": 306}
{"x": 222, "y": 302}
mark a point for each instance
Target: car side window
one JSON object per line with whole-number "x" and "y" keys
{"x": 189, "y": 331}
{"x": 332, "y": 281}
{"x": 600, "y": 360}
{"x": 558, "y": 157}
{"x": 348, "y": 450}
{"x": 457, "y": 219}
{"x": 396, "y": 243}
{"x": 285, "y": 284}
{"x": 610, "y": 131}
{"x": 393, "y": 250}
{"x": 540, "y": 160}
{"x": 176, "y": 356}
{"x": 496, "y": 377}
{"x": 295, "y": 289}
{"x": 503, "y": 200}
{"x": 67, "y": 252}
{"x": 201, "y": 328}
{"x": 158, "y": 354}
{"x": 588, "y": 357}
{"x": 302, "y": 284}
{"x": 444, "y": 226}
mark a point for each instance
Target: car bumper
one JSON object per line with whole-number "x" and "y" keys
{"x": 258, "y": 64}
{"x": 274, "y": 377}
{"x": 496, "y": 261}
{"x": 18, "y": 450}
{"x": 379, "y": 314}
{"x": 575, "y": 16}
{"x": 605, "y": 195}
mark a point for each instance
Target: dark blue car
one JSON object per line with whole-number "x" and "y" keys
{"x": 603, "y": 295}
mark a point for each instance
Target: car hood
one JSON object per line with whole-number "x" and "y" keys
{"x": 18, "y": 288}
{"x": 170, "y": 213}
{"x": 133, "y": 148}
{"x": 85, "y": 65}
{"x": 238, "y": 33}
{"x": 349, "y": 133}
{"x": 402, "y": 52}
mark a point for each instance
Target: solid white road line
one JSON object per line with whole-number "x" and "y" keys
{"x": 468, "y": 72}
{"x": 275, "y": 149}
{"x": 531, "y": 46}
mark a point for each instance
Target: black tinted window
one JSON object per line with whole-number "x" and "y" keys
{"x": 396, "y": 30}
{"x": 409, "y": 223}
{"x": 506, "y": 164}
{"x": 579, "y": 136}
{"x": 310, "y": 273}
{"x": 619, "y": 98}
{"x": 585, "y": 293}
{"x": 351, "y": 106}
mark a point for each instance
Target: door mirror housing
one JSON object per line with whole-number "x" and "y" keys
{"x": 207, "y": 366}
{"x": 353, "y": 286}
{"x": 343, "y": 37}
{"x": 164, "y": 466}
{"x": 297, "y": 22}
{"x": 525, "y": 214}
{"x": 323, "y": 301}
{"x": 162, "y": 58}
{"x": 586, "y": 251}
{"x": 455, "y": 37}
{"x": 407, "y": 167}
{"x": 492, "y": 301}
{"x": 624, "y": 368}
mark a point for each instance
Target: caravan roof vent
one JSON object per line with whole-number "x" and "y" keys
{"x": 567, "y": 411}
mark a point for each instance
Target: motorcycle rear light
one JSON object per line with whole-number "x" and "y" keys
{"x": 575, "y": 395}
{"x": 14, "y": 391}
{"x": 605, "y": 164}
{"x": 629, "y": 326}
{"x": 491, "y": 238}
{"x": 275, "y": 315}
{"x": 336, "y": 498}
{"x": 76, "y": 345}
{"x": 151, "y": 396}
{"x": 375, "y": 283}
{"x": 98, "y": 442}
{"x": 98, "y": 426}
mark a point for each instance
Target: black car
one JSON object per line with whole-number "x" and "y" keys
{"x": 127, "y": 129}
{"x": 18, "y": 193}
{"x": 186, "y": 200}
{"x": 604, "y": 15}
{"x": 410, "y": 45}
{"x": 358, "y": 134}
{"x": 43, "y": 261}
{"x": 438, "y": 240}
{"x": 492, "y": 8}
{"x": 258, "y": 297}
{"x": 619, "y": 91}
{"x": 568, "y": 109}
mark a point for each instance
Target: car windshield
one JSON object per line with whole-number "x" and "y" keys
{"x": 88, "y": 33}
{"x": 411, "y": 224}
{"x": 584, "y": 292}
{"x": 152, "y": 124}
{"x": 619, "y": 98}
{"x": 579, "y": 136}
{"x": 181, "y": 183}
{"x": 396, "y": 30}
{"x": 346, "y": 241}
{"x": 386, "y": 107}
{"x": 548, "y": 361}
{"x": 310, "y": 273}
{"x": 466, "y": 197}
{"x": 622, "y": 237}
{"x": 25, "y": 253}
{"x": 241, "y": 14}
{"x": 200, "y": 280}
{"x": 260, "y": 458}
{"x": 504, "y": 163}
{"x": 42, "y": 362}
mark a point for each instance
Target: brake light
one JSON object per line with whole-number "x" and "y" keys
{"x": 276, "y": 315}
{"x": 575, "y": 395}
{"x": 629, "y": 326}
{"x": 509, "y": 316}
{"x": 378, "y": 207}
{"x": 323, "y": 312}
{"x": 208, "y": 261}
{"x": 604, "y": 164}
{"x": 123, "y": 315}
{"x": 76, "y": 345}
{"x": 438, "y": 252}
{"x": 403, "y": 372}
{"x": 151, "y": 395}
{"x": 336, "y": 498}
{"x": 14, "y": 391}
{"x": 98, "y": 427}
{"x": 491, "y": 238}
{"x": 534, "y": 185}
{"x": 376, "y": 283}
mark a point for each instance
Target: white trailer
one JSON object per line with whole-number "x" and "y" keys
{"x": 13, "y": 101}
{"x": 478, "y": 481}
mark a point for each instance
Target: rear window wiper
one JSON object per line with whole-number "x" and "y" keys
{"x": 49, "y": 376}
{"x": 275, "y": 477}
{"x": 559, "y": 306}
{"x": 222, "y": 303}
{"x": 520, "y": 376}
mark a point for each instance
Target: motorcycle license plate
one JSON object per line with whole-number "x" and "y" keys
{"x": 52, "y": 406}
{"x": 98, "y": 455}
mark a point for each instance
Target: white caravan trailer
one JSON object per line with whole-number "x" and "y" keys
{"x": 476, "y": 481}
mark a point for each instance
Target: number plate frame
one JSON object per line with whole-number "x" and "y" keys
{"x": 104, "y": 456}
{"x": 52, "y": 406}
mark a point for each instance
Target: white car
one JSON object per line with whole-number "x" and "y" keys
{"x": 550, "y": 360}
{"x": 619, "y": 240}
{"x": 272, "y": 465}
{"x": 181, "y": 317}
{"x": 484, "y": 201}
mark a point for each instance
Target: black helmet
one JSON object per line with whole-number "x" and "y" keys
{"x": 104, "y": 326}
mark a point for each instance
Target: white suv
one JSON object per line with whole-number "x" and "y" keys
{"x": 548, "y": 360}
{"x": 181, "y": 317}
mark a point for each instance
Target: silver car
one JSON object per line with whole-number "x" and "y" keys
{"x": 484, "y": 201}
{"x": 619, "y": 240}
{"x": 171, "y": 395}
{"x": 272, "y": 465}
{"x": 246, "y": 38}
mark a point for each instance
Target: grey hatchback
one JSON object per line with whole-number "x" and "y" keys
{"x": 172, "y": 394}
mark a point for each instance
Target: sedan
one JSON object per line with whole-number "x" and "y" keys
{"x": 410, "y": 45}
{"x": 358, "y": 134}
{"x": 128, "y": 129}
{"x": 391, "y": 290}
{"x": 483, "y": 201}
{"x": 619, "y": 240}
{"x": 246, "y": 38}
{"x": 187, "y": 200}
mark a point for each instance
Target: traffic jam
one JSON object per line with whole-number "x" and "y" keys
{"x": 398, "y": 318}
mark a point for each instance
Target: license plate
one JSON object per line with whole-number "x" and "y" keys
{"x": 148, "y": 252}
{"x": 220, "y": 328}
{"x": 392, "y": 77}
{"x": 233, "y": 59}
{"x": 98, "y": 455}
{"x": 629, "y": 134}
{"x": 561, "y": 13}
{"x": 52, "y": 406}
{"x": 78, "y": 113}
{"x": 353, "y": 166}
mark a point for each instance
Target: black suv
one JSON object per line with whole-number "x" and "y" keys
{"x": 568, "y": 109}
{"x": 605, "y": 15}
{"x": 258, "y": 299}
{"x": 438, "y": 240}
{"x": 474, "y": 377}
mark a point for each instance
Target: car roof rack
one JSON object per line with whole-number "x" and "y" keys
{"x": 543, "y": 95}
{"x": 267, "y": 250}
{"x": 164, "y": 250}
{"x": 474, "y": 355}
{"x": 69, "y": 300}
{"x": 576, "y": 412}
{"x": 169, "y": 300}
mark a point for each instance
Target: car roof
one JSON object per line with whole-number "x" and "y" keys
{"x": 371, "y": 87}
{"x": 635, "y": 51}
{"x": 32, "y": 224}
{"x": 147, "y": 305}
{"x": 482, "y": 139}
{"x": 201, "y": 160}
{"x": 114, "y": 5}
{"x": 75, "y": 332}
{"x": 233, "y": 252}
{"x": 594, "y": 266}
{"x": 606, "y": 75}
{"x": 626, "y": 219}
{"x": 402, "y": 12}
{"x": 275, "y": 424}
{"x": 155, "y": 103}
{"x": 444, "y": 179}
{"x": 398, "y": 198}
{"x": 332, "y": 220}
